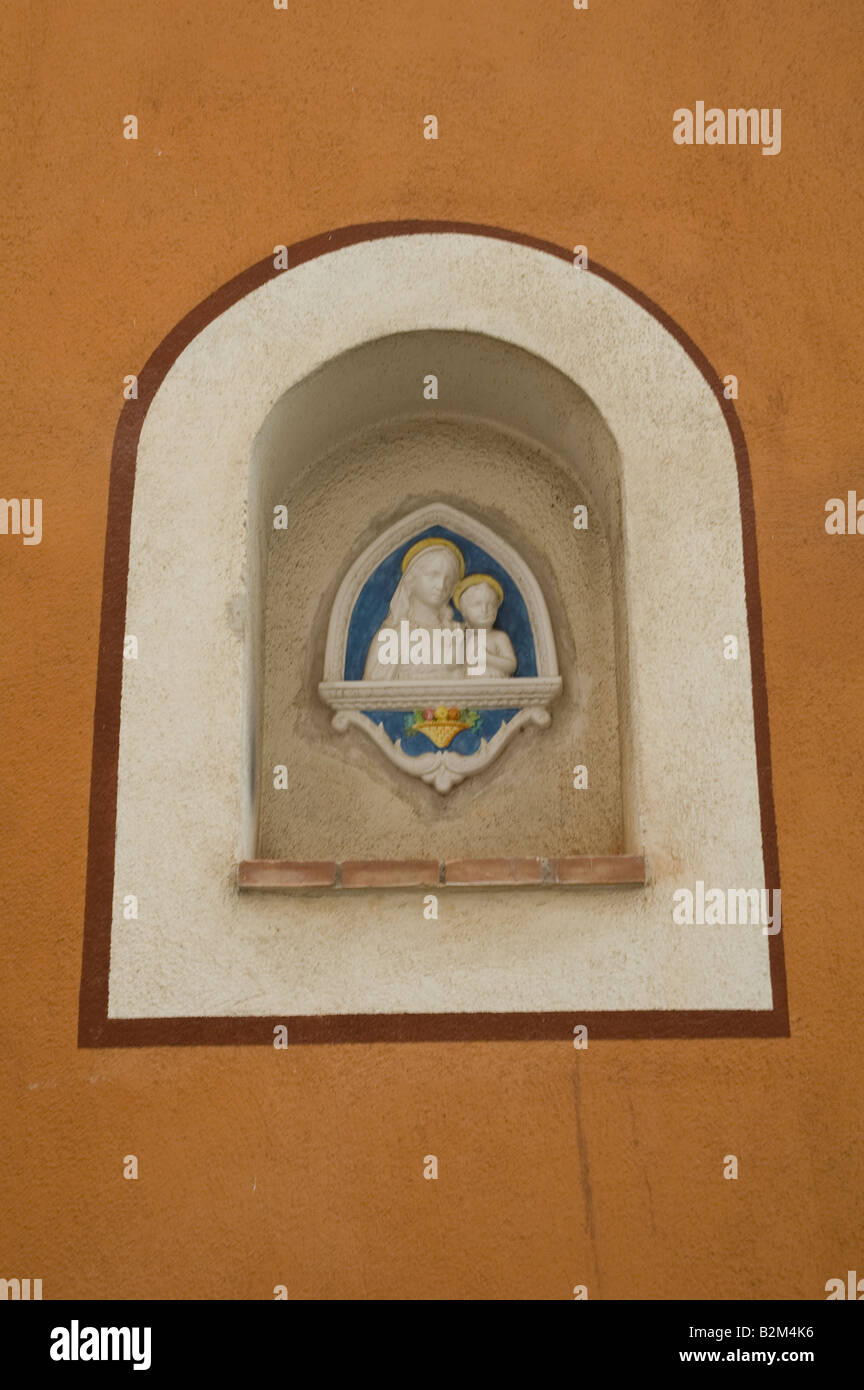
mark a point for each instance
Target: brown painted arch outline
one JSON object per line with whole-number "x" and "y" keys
{"x": 95, "y": 1028}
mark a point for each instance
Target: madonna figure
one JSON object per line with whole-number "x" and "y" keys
{"x": 431, "y": 569}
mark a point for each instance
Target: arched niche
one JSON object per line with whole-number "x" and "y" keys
{"x": 355, "y": 454}
{"x": 237, "y": 414}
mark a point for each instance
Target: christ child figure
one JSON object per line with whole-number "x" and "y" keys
{"x": 478, "y": 598}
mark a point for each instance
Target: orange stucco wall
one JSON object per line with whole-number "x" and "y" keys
{"x": 259, "y": 127}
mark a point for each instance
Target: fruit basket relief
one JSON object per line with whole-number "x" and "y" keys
{"x": 441, "y": 725}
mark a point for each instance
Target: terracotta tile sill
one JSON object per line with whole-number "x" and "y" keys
{"x": 389, "y": 873}
{"x": 282, "y": 874}
{"x": 463, "y": 873}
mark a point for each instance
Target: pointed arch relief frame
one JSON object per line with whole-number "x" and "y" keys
{"x": 530, "y": 696}
{"x": 646, "y": 996}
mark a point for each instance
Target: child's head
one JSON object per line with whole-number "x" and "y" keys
{"x": 478, "y": 598}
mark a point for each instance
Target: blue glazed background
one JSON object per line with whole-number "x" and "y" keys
{"x": 369, "y": 613}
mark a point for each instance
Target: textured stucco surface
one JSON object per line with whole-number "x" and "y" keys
{"x": 207, "y": 950}
{"x": 303, "y": 1167}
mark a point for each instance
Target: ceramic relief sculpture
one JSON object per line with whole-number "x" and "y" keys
{"x": 439, "y": 647}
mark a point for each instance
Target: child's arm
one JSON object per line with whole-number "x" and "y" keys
{"x": 500, "y": 656}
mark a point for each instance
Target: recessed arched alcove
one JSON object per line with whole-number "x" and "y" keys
{"x": 507, "y": 447}
{"x": 557, "y": 387}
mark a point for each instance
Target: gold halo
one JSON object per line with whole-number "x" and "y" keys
{"x": 433, "y": 540}
{"x": 472, "y": 579}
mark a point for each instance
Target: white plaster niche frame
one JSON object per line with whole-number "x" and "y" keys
{"x": 177, "y": 732}
{"x": 530, "y": 695}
